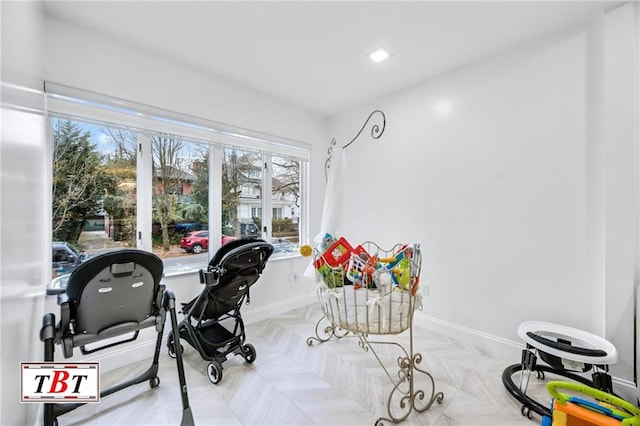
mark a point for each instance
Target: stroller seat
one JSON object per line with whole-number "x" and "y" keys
{"x": 115, "y": 294}
{"x": 213, "y": 323}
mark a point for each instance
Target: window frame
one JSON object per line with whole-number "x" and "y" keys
{"x": 87, "y": 107}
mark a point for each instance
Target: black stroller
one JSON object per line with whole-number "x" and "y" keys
{"x": 213, "y": 324}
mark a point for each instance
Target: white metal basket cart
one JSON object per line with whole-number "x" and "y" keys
{"x": 367, "y": 291}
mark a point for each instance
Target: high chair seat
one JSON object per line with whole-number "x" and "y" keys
{"x": 112, "y": 296}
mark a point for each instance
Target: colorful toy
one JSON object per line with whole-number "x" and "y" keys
{"x": 402, "y": 274}
{"x": 332, "y": 277}
{"x": 415, "y": 286}
{"x": 359, "y": 269}
{"x": 603, "y": 409}
{"x": 336, "y": 254}
{"x": 326, "y": 242}
{"x": 399, "y": 265}
{"x": 355, "y": 270}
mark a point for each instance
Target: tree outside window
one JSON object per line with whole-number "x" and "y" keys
{"x": 93, "y": 185}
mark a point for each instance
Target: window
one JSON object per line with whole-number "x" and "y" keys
{"x": 135, "y": 176}
{"x": 285, "y": 198}
{"x": 255, "y": 173}
{"x": 180, "y": 194}
{"x": 256, "y": 212}
{"x": 93, "y": 187}
{"x": 241, "y": 191}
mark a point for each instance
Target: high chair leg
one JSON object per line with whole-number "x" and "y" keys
{"x": 169, "y": 304}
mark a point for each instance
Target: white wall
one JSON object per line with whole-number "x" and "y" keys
{"x": 517, "y": 174}
{"x": 620, "y": 125}
{"x": 24, "y": 202}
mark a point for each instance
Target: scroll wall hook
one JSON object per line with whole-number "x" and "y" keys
{"x": 376, "y": 132}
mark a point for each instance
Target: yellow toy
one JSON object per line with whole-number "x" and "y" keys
{"x": 306, "y": 250}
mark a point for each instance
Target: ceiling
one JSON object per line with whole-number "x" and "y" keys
{"x": 314, "y": 54}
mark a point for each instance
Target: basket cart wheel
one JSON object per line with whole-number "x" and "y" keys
{"x": 249, "y": 353}
{"x": 214, "y": 371}
{"x": 171, "y": 348}
{"x": 154, "y": 382}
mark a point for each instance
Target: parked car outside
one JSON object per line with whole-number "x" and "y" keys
{"x": 65, "y": 258}
{"x": 184, "y": 227}
{"x": 249, "y": 230}
{"x": 197, "y": 241}
{"x": 226, "y": 239}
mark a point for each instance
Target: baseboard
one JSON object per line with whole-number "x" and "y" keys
{"x": 499, "y": 347}
{"x": 487, "y": 343}
{"x": 626, "y": 389}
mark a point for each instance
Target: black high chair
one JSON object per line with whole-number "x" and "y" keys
{"x": 113, "y": 295}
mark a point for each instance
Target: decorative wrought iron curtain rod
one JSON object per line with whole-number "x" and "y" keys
{"x": 376, "y": 132}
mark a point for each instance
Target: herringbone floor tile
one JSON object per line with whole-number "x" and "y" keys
{"x": 333, "y": 383}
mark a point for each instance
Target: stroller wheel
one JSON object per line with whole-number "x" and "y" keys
{"x": 249, "y": 353}
{"x": 214, "y": 371}
{"x": 171, "y": 347}
{"x": 154, "y": 382}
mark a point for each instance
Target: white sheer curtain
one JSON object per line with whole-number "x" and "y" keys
{"x": 333, "y": 197}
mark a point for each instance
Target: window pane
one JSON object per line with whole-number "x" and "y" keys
{"x": 180, "y": 200}
{"x": 285, "y": 201}
{"x": 241, "y": 193}
{"x": 93, "y": 191}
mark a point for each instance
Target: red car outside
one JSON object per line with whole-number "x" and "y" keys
{"x": 197, "y": 241}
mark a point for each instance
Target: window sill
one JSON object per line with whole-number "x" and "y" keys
{"x": 190, "y": 271}
{"x": 57, "y": 285}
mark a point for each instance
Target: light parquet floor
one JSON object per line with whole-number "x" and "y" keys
{"x": 334, "y": 383}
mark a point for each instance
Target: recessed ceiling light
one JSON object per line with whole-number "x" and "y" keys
{"x": 379, "y": 55}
